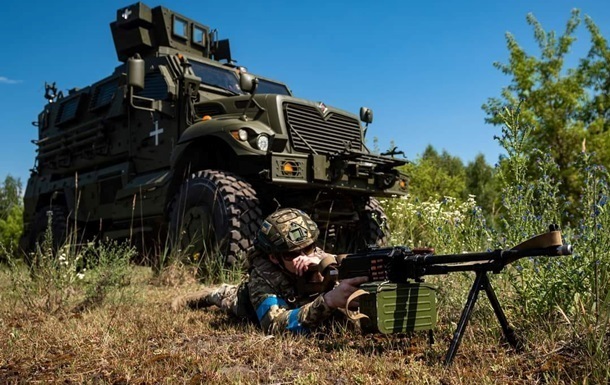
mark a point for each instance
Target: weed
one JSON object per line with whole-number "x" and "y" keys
{"x": 569, "y": 295}
{"x": 108, "y": 268}
{"x": 56, "y": 279}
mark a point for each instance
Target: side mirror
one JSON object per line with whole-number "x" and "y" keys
{"x": 135, "y": 72}
{"x": 366, "y": 115}
{"x": 247, "y": 83}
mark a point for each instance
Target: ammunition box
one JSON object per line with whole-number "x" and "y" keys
{"x": 398, "y": 307}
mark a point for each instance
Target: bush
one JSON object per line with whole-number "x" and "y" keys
{"x": 569, "y": 295}
{"x": 73, "y": 277}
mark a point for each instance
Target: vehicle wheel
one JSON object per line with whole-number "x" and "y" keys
{"x": 54, "y": 218}
{"x": 214, "y": 213}
{"x": 370, "y": 228}
{"x": 374, "y": 224}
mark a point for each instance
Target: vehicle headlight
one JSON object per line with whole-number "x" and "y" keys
{"x": 243, "y": 134}
{"x": 262, "y": 142}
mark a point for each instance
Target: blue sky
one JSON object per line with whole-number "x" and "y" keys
{"x": 424, "y": 67}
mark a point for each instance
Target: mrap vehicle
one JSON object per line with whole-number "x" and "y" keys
{"x": 180, "y": 146}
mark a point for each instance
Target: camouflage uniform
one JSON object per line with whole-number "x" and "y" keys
{"x": 269, "y": 294}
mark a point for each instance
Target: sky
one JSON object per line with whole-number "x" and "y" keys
{"x": 424, "y": 67}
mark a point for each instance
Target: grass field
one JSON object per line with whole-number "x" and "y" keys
{"x": 131, "y": 337}
{"x": 111, "y": 322}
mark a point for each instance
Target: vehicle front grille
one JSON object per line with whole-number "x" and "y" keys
{"x": 310, "y": 130}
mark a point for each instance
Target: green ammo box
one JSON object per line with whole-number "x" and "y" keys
{"x": 398, "y": 307}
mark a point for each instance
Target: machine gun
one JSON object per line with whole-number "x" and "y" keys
{"x": 396, "y": 299}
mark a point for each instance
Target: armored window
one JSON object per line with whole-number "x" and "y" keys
{"x": 180, "y": 27}
{"x": 199, "y": 35}
{"x": 67, "y": 110}
{"x": 102, "y": 95}
{"x": 155, "y": 86}
{"x": 269, "y": 87}
{"x": 217, "y": 77}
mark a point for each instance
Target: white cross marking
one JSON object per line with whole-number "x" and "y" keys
{"x": 126, "y": 13}
{"x": 158, "y": 131}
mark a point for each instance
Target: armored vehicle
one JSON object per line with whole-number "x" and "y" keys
{"x": 179, "y": 146}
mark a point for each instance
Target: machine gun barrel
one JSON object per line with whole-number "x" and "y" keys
{"x": 503, "y": 256}
{"x": 399, "y": 263}
{"x": 493, "y": 261}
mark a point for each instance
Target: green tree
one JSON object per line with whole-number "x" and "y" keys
{"x": 595, "y": 113}
{"x": 11, "y": 214}
{"x": 433, "y": 175}
{"x": 565, "y": 107}
{"x": 481, "y": 182}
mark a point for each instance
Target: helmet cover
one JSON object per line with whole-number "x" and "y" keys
{"x": 286, "y": 230}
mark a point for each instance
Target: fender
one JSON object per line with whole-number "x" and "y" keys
{"x": 222, "y": 125}
{"x": 220, "y": 128}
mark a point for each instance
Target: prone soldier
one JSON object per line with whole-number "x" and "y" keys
{"x": 284, "y": 250}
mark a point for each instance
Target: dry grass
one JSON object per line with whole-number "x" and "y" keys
{"x": 133, "y": 338}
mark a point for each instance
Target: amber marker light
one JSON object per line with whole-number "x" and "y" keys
{"x": 207, "y": 117}
{"x": 287, "y": 168}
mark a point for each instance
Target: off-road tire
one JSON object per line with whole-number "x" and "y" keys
{"x": 374, "y": 224}
{"x": 214, "y": 212}
{"x": 38, "y": 231}
{"x": 370, "y": 229}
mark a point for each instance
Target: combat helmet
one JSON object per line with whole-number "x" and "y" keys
{"x": 286, "y": 230}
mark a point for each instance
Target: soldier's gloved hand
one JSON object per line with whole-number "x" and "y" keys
{"x": 338, "y": 296}
{"x": 302, "y": 263}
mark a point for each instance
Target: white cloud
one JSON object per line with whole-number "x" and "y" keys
{"x": 5, "y": 80}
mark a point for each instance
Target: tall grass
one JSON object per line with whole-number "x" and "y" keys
{"x": 567, "y": 297}
{"x": 73, "y": 278}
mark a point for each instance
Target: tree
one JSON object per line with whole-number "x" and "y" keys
{"x": 596, "y": 111}
{"x": 10, "y": 195}
{"x": 11, "y": 214}
{"x": 480, "y": 182}
{"x": 563, "y": 107}
{"x": 434, "y": 176}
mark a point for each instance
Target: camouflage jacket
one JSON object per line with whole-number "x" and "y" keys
{"x": 277, "y": 304}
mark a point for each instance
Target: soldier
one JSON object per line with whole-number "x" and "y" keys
{"x": 284, "y": 250}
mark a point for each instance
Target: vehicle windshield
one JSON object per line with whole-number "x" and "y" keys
{"x": 225, "y": 79}
{"x": 228, "y": 80}
{"x": 269, "y": 87}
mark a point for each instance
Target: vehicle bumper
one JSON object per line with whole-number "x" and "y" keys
{"x": 357, "y": 174}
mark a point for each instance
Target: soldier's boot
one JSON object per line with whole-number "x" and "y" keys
{"x": 197, "y": 300}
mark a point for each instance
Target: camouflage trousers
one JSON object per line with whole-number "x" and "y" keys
{"x": 232, "y": 299}
{"x": 225, "y": 297}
